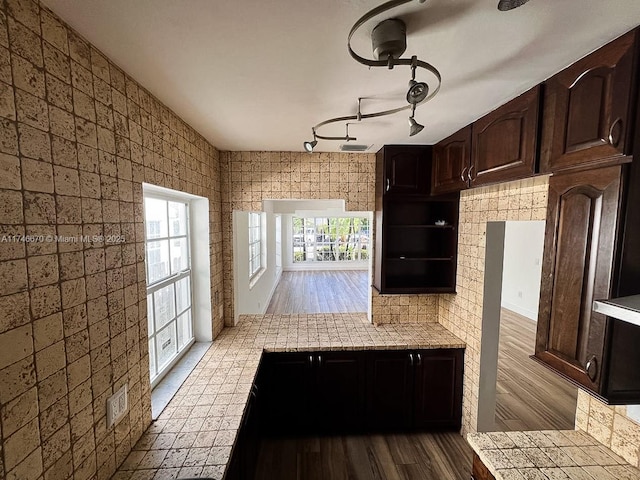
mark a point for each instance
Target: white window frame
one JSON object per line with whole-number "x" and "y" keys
{"x": 256, "y": 245}
{"x": 171, "y": 279}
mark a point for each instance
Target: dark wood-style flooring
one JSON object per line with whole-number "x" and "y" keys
{"x": 344, "y": 291}
{"x": 435, "y": 456}
{"x": 529, "y": 396}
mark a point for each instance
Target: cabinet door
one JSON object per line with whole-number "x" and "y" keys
{"x": 389, "y": 390}
{"x": 580, "y": 236}
{"x": 407, "y": 169}
{"x": 450, "y": 164}
{"x": 286, "y": 391}
{"x": 586, "y": 108}
{"x": 504, "y": 141}
{"x": 340, "y": 390}
{"x": 438, "y": 388}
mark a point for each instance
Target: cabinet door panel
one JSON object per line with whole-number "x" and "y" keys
{"x": 580, "y": 237}
{"x": 439, "y": 389}
{"x": 451, "y": 159}
{"x": 287, "y": 391}
{"x": 341, "y": 390}
{"x": 504, "y": 141}
{"x": 390, "y": 390}
{"x": 586, "y": 108}
{"x": 407, "y": 170}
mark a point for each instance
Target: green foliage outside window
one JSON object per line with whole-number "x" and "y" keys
{"x": 330, "y": 239}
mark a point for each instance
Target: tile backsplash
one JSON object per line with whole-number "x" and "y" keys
{"x": 614, "y": 426}
{"x": 78, "y": 137}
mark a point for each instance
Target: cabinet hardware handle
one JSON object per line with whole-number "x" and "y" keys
{"x": 617, "y": 121}
{"x": 419, "y": 359}
{"x": 388, "y": 184}
{"x": 471, "y": 179}
{"x": 592, "y": 362}
{"x": 462, "y": 174}
{"x": 319, "y": 360}
{"x": 411, "y": 359}
{"x": 311, "y": 360}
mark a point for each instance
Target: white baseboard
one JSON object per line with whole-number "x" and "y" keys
{"x": 525, "y": 312}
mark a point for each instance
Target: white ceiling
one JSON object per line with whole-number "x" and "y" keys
{"x": 258, "y": 74}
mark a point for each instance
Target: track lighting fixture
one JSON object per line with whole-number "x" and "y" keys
{"x": 389, "y": 43}
{"x": 414, "y": 127}
{"x": 308, "y": 146}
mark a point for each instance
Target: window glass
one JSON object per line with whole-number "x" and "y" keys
{"x": 168, "y": 262}
{"x": 330, "y": 239}
{"x": 255, "y": 243}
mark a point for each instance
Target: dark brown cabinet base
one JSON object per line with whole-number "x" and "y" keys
{"x": 354, "y": 391}
{"x": 348, "y": 392}
{"x": 480, "y": 471}
{"x": 415, "y": 389}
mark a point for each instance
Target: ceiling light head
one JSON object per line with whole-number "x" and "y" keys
{"x": 308, "y": 146}
{"x": 505, "y": 5}
{"x": 418, "y": 92}
{"x": 414, "y": 127}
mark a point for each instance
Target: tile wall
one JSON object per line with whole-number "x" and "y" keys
{"x": 462, "y": 313}
{"x": 248, "y": 178}
{"x": 77, "y": 139}
{"x": 609, "y": 425}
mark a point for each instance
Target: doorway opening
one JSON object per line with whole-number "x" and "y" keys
{"x": 317, "y": 259}
{"x": 516, "y": 392}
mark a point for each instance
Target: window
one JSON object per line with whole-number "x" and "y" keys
{"x": 330, "y": 239}
{"x": 255, "y": 243}
{"x": 169, "y": 281}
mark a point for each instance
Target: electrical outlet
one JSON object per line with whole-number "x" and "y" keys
{"x": 519, "y": 294}
{"x": 117, "y": 406}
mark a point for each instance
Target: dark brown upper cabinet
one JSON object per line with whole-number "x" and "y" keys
{"x": 407, "y": 169}
{"x": 504, "y": 141}
{"x": 451, "y": 160}
{"x": 499, "y": 147}
{"x": 587, "y": 111}
{"x": 416, "y": 234}
{"x": 582, "y": 240}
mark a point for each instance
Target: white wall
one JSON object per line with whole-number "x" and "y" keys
{"x": 523, "y": 246}
{"x": 254, "y": 298}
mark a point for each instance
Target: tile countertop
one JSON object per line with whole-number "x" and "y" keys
{"x": 194, "y": 435}
{"x": 549, "y": 455}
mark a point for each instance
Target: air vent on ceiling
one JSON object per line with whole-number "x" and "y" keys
{"x": 354, "y": 148}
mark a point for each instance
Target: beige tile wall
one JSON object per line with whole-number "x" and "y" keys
{"x": 462, "y": 313}
{"x": 250, "y": 177}
{"x": 609, "y": 425}
{"x": 77, "y": 139}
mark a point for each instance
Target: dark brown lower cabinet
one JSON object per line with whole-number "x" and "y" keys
{"x": 419, "y": 389}
{"x": 480, "y": 471}
{"x": 314, "y": 391}
{"x": 245, "y": 452}
{"x": 438, "y": 389}
{"x": 348, "y": 392}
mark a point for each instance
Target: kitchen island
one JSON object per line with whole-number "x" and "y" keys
{"x": 196, "y": 433}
